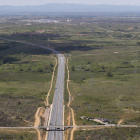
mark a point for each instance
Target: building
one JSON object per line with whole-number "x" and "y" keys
{"x": 91, "y": 118}
{"x": 101, "y": 120}
{"x": 84, "y": 117}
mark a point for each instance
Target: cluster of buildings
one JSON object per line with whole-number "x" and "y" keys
{"x": 97, "y": 119}
{"x": 41, "y": 21}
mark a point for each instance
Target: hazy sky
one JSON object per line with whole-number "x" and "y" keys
{"x": 39, "y": 2}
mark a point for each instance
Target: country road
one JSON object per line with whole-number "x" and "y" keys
{"x": 71, "y": 126}
{"x": 57, "y": 108}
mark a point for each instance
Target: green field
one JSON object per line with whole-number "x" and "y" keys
{"x": 108, "y": 134}
{"x": 18, "y": 134}
{"x": 25, "y": 80}
{"x": 106, "y": 84}
{"x": 104, "y": 69}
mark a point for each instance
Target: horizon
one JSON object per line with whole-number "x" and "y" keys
{"x": 72, "y": 3}
{"x": 87, "y": 2}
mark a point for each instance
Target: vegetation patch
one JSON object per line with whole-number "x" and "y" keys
{"x": 108, "y": 133}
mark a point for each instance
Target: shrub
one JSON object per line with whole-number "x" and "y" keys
{"x": 51, "y": 64}
{"x": 138, "y": 43}
{"x": 87, "y": 68}
{"x": 109, "y": 73}
{"x": 73, "y": 68}
{"x": 40, "y": 69}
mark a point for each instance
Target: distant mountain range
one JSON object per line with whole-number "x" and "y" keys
{"x": 64, "y": 7}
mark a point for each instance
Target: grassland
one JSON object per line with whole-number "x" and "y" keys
{"x": 25, "y": 80}
{"x": 104, "y": 74}
{"x": 96, "y": 94}
{"x": 104, "y": 68}
{"x": 18, "y": 134}
{"x": 108, "y": 134}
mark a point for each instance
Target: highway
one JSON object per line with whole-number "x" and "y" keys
{"x": 57, "y": 108}
{"x": 56, "y": 118}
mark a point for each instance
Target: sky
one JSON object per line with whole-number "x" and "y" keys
{"x": 91, "y": 2}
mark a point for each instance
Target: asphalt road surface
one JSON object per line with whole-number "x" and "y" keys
{"x": 56, "y": 121}
{"x": 57, "y": 109}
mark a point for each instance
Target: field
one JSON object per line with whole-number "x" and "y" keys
{"x": 25, "y": 80}
{"x": 108, "y": 134}
{"x": 106, "y": 84}
{"x": 18, "y": 134}
{"x": 104, "y": 69}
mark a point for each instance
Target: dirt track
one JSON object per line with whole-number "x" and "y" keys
{"x": 37, "y": 121}
{"x": 39, "y": 111}
{"x": 68, "y": 105}
{"x": 120, "y": 121}
{"x": 72, "y": 112}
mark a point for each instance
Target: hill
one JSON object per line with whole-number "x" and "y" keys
{"x": 64, "y": 7}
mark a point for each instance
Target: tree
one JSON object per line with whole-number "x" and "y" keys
{"x": 73, "y": 68}
{"x": 109, "y": 72}
{"x": 88, "y": 62}
{"x": 51, "y": 64}
{"x": 138, "y": 43}
{"x": 46, "y": 67}
{"x": 1, "y": 62}
{"x": 40, "y": 69}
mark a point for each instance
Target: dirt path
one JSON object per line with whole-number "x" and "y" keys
{"x": 37, "y": 121}
{"x": 28, "y": 122}
{"x": 40, "y": 111}
{"x": 72, "y": 112}
{"x": 120, "y": 121}
{"x": 68, "y": 105}
{"x": 47, "y": 102}
{"x": 70, "y": 95}
{"x": 68, "y": 118}
{"x": 72, "y": 133}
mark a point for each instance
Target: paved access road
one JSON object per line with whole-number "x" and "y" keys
{"x": 57, "y": 109}
{"x": 71, "y": 126}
